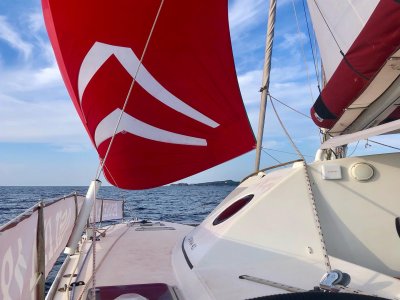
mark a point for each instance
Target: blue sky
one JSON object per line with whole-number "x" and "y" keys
{"x": 42, "y": 141}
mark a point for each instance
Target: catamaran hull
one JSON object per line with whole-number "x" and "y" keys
{"x": 258, "y": 245}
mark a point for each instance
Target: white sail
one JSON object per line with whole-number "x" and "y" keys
{"x": 341, "y": 20}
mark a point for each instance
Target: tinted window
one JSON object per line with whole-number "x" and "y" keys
{"x": 232, "y": 209}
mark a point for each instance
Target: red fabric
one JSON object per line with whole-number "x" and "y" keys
{"x": 376, "y": 42}
{"x": 189, "y": 54}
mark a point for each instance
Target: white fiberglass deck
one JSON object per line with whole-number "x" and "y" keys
{"x": 127, "y": 255}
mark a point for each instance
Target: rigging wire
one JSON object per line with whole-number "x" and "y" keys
{"x": 286, "y": 152}
{"x": 302, "y": 51}
{"x": 375, "y": 142}
{"x": 263, "y": 150}
{"x": 285, "y": 130}
{"x": 312, "y": 48}
{"x": 297, "y": 111}
{"x": 354, "y": 150}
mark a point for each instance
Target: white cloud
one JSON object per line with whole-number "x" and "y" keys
{"x": 245, "y": 13}
{"x": 28, "y": 79}
{"x": 292, "y": 40}
{"x": 35, "y": 22}
{"x": 46, "y": 76}
{"x": 13, "y": 38}
{"x": 54, "y": 122}
{"x": 250, "y": 83}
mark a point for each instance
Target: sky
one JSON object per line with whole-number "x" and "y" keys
{"x": 42, "y": 141}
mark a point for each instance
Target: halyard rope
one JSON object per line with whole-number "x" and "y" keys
{"x": 130, "y": 90}
{"x": 102, "y": 163}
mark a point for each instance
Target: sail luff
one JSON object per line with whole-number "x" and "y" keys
{"x": 265, "y": 80}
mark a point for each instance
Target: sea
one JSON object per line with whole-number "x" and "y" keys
{"x": 176, "y": 203}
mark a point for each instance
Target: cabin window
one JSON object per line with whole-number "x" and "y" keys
{"x": 232, "y": 209}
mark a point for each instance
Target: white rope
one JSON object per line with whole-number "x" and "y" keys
{"x": 286, "y": 132}
{"x": 129, "y": 91}
{"x": 102, "y": 163}
{"x": 112, "y": 177}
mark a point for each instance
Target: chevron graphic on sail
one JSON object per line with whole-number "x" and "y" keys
{"x": 99, "y": 54}
{"x": 105, "y": 130}
{"x": 96, "y": 57}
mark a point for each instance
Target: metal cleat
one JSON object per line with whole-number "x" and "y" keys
{"x": 333, "y": 281}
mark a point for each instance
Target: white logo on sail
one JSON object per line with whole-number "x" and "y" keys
{"x": 93, "y": 61}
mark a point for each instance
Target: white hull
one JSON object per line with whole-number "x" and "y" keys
{"x": 273, "y": 237}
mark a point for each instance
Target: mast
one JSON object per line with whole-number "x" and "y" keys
{"x": 265, "y": 81}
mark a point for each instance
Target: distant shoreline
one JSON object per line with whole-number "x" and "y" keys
{"x": 211, "y": 183}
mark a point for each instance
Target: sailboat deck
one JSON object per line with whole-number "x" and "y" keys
{"x": 126, "y": 255}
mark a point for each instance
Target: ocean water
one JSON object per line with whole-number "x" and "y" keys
{"x": 180, "y": 204}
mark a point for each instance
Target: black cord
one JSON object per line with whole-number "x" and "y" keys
{"x": 340, "y": 49}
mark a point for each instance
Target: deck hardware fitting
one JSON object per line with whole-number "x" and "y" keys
{"x": 331, "y": 281}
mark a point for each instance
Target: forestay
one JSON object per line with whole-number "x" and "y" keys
{"x": 184, "y": 111}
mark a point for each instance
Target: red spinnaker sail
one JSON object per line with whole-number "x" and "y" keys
{"x": 184, "y": 114}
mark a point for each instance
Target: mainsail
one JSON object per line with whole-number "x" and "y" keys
{"x": 184, "y": 113}
{"x": 359, "y": 43}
